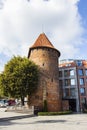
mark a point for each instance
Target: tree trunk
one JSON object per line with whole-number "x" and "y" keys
{"x": 28, "y": 100}
{"x": 22, "y": 101}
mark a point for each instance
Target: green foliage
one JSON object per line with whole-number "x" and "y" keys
{"x": 45, "y": 106}
{"x": 54, "y": 113}
{"x": 19, "y": 78}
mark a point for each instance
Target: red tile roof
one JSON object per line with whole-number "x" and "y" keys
{"x": 42, "y": 41}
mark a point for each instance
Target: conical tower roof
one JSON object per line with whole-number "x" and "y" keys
{"x": 41, "y": 42}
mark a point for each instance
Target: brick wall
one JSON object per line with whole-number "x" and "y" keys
{"x": 48, "y": 87}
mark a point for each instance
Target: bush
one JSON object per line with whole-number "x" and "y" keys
{"x": 45, "y": 106}
{"x": 85, "y": 111}
{"x": 54, "y": 113}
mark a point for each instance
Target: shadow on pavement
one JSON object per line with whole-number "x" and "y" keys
{"x": 15, "y": 118}
{"x": 51, "y": 121}
{"x": 6, "y": 121}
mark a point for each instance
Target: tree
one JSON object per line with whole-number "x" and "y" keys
{"x": 19, "y": 78}
{"x": 1, "y": 88}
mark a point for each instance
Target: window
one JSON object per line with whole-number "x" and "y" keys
{"x": 86, "y": 72}
{"x": 60, "y": 73}
{"x": 80, "y": 72}
{"x": 43, "y": 64}
{"x": 79, "y": 63}
{"x": 83, "y": 100}
{"x": 67, "y": 82}
{"x": 72, "y": 92}
{"x": 72, "y": 72}
{"x": 82, "y": 91}
{"x": 81, "y": 81}
{"x": 66, "y": 73}
{"x": 72, "y": 81}
{"x": 86, "y": 79}
{"x": 52, "y": 80}
{"x": 66, "y": 94}
{"x": 60, "y": 83}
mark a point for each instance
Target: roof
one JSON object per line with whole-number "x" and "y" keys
{"x": 73, "y": 63}
{"x": 42, "y": 41}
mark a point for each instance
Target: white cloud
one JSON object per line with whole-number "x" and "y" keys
{"x": 21, "y": 22}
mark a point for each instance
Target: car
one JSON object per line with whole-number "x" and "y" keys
{"x": 11, "y": 102}
{"x": 3, "y": 102}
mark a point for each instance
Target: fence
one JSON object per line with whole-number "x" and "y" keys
{"x": 21, "y": 109}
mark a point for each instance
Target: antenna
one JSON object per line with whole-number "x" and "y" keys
{"x": 42, "y": 28}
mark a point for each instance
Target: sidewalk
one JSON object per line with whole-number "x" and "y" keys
{"x": 18, "y": 121}
{"x": 4, "y": 114}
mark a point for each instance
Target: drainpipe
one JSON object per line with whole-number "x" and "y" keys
{"x": 79, "y": 110}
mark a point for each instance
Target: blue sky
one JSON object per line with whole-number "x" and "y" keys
{"x": 82, "y": 8}
{"x": 63, "y": 21}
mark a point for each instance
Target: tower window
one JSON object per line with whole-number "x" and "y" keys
{"x": 52, "y": 80}
{"x": 43, "y": 64}
{"x": 46, "y": 94}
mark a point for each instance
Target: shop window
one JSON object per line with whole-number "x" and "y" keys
{"x": 83, "y": 100}
{"x": 66, "y": 92}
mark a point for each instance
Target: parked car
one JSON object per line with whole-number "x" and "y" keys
{"x": 11, "y": 102}
{"x": 3, "y": 102}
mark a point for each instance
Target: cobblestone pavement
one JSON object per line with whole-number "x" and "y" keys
{"x": 18, "y": 121}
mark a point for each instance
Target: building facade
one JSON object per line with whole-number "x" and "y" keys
{"x": 43, "y": 53}
{"x": 73, "y": 82}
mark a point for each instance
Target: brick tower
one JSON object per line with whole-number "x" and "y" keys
{"x": 46, "y": 56}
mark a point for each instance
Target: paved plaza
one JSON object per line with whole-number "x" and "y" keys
{"x": 18, "y": 121}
